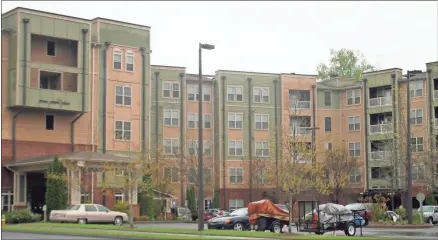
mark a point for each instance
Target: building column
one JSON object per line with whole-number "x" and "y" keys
{"x": 75, "y": 187}
{"x": 20, "y": 190}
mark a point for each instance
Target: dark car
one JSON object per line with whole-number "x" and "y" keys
{"x": 237, "y": 220}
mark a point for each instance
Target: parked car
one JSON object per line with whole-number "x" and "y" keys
{"x": 237, "y": 220}
{"x": 363, "y": 209}
{"x": 181, "y": 212}
{"x": 430, "y": 214}
{"x": 218, "y": 212}
{"x": 207, "y": 215}
{"x": 393, "y": 216}
{"x": 88, "y": 213}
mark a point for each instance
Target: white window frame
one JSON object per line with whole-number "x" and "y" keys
{"x": 171, "y": 112}
{"x": 328, "y": 146}
{"x": 263, "y": 146}
{"x": 195, "y": 121}
{"x": 205, "y": 121}
{"x": 325, "y": 124}
{"x": 261, "y": 94}
{"x": 194, "y": 89}
{"x": 356, "y": 173}
{"x": 194, "y": 144}
{"x": 236, "y": 175}
{"x": 171, "y": 174}
{"x": 235, "y": 114}
{"x": 117, "y": 51}
{"x": 414, "y": 87}
{"x": 9, "y": 195}
{"x": 355, "y": 93}
{"x": 236, "y": 204}
{"x": 171, "y": 90}
{"x": 119, "y": 195}
{"x": 172, "y": 142}
{"x": 261, "y": 116}
{"x": 416, "y": 145}
{"x": 123, "y": 130}
{"x": 234, "y": 87}
{"x": 416, "y": 172}
{"x": 355, "y": 120}
{"x": 355, "y": 149}
{"x": 129, "y": 54}
{"x": 235, "y": 147}
{"x": 260, "y": 176}
{"x": 123, "y": 96}
{"x": 415, "y": 117}
{"x": 206, "y": 91}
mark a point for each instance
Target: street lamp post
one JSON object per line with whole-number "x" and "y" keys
{"x": 200, "y": 143}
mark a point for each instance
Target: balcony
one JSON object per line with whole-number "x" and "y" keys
{"x": 435, "y": 94}
{"x": 295, "y": 104}
{"x": 381, "y": 128}
{"x": 380, "y": 102}
{"x": 378, "y": 155}
{"x": 436, "y": 123}
{"x": 301, "y": 131}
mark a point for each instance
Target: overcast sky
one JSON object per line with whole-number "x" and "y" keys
{"x": 271, "y": 36}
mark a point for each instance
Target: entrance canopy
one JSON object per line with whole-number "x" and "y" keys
{"x": 84, "y": 159}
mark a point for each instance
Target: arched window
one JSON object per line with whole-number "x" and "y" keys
{"x": 117, "y": 59}
{"x": 129, "y": 61}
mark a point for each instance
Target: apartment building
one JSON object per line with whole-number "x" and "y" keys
{"x": 85, "y": 90}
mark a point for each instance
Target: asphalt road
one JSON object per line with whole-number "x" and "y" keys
{"x": 14, "y": 235}
{"x": 420, "y": 234}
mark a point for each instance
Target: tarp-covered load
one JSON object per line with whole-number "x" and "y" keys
{"x": 265, "y": 208}
{"x": 331, "y": 213}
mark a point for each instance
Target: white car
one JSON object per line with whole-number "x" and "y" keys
{"x": 88, "y": 213}
{"x": 430, "y": 214}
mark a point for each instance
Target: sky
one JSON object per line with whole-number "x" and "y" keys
{"x": 275, "y": 37}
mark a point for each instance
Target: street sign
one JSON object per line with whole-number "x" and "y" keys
{"x": 420, "y": 197}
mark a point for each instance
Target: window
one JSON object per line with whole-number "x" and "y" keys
{"x": 353, "y": 97}
{"x": 235, "y": 148}
{"x": 129, "y": 61}
{"x": 354, "y": 149}
{"x": 123, "y": 95}
{"x": 235, "y": 93}
{"x": 193, "y": 175}
{"x": 90, "y": 208}
{"x": 84, "y": 198}
{"x": 207, "y": 175}
{"x": 262, "y": 121}
{"x": 192, "y": 147}
{"x": 51, "y": 48}
{"x": 119, "y": 196}
{"x": 171, "y": 174}
{"x": 328, "y": 146}
{"x": 261, "y": 95}
{"x": 101, "y": 208}
{"x": 50, "y": 122}
{"x": 235, "y": 204}
{"x": 123, "y": 130}
{"x": 192, "y": 93}
{"x": 416, "y": 88}
{"x": 355, "y": 176}
{"x": 235, "y": 120}
{"x": 381, "y": 172}
{"x": 171, "y": 146}
{"x": 207, "y": 148}
{"x": 193, "y": 120}
{"x": 171, "y": 117}
{"x": 327, "y": 99}
{"x": 119, "y": 172}
{"x": 206, "y": 92}
{"x": 416, "y": 116}
{"x": 354, "y": 123}
{"x": 328, "y": 124}
{"x": 170, "y": 90}
{"x": 261, "y": 177}
{"x": 207, "y": 120}
{"x": 262, "y": 149}
{"x": 418, "y": 172}
{"x": 236, "y": 175}
{"x": 7, "y": 201}
{"x": 117, "y": 59}
{"x": 50, "y": 80}
{"x": 417, "y": 144}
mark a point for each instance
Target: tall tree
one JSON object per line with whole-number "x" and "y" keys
{"x": 191, "y": 201}
{"x": 56, "y": 186}
{"x": 344, "y": 63}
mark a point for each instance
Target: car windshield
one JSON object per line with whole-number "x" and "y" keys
{"x": 74, "y": 207}
{"x": 240, "y": 212}
{"x": 427, "y": 209}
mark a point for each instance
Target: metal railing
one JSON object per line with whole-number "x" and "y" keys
{"x": 301, "y": 131}
{"x": 378, "y": 155}
{"x": 436, "y": 123}
{"x": 380, "y": 101}
{"x": 381, "y": 128}
{"x": 295, "y": 104}
{"x": 436, "y": 94}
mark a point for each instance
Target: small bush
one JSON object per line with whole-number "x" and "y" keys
{"x": 402, "y": 212}
{"x": 379, "y": 211}
{"x": 121, "y": 206}
{"x": 22, "y": 216}
{"x": 141, "y": 218}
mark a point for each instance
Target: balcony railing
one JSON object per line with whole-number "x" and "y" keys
{"x": 301, "y": 131}
{"x": 436, "y": 94}
{"x": 378, "y": 155}
{"x": 380, "y": 101}
{"x": 436, "y": 123}
{"x": 295, "y": 104}
{"x": 381, "y": 128}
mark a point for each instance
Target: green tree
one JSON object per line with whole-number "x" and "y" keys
{"x": 344, "y": 63}
{"x": 430, "y": 199}
{"x": 215, "y": 203}
{"x": 56, "y": 186}
{"x": 191, "y": 201}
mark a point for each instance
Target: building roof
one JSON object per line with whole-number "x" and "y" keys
{"x": 195, "y": 77}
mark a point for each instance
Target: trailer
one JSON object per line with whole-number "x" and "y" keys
{"x": 264, "y": 215}
{"x": 327, "y": 218}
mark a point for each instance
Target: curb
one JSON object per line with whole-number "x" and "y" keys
{"x": 401, "y": 226}
{"x": 73, "y": 235}
{"x": 165, "y": 222}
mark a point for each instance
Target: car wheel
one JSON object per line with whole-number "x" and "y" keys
{"x": 82, "y": 221}
{"x": 118, "y": 221}
{"x": 350, "y": 229}
{"x": 430, "y": 220}
{"x": 238, "y": 227}
{"x": 276, "y": 228}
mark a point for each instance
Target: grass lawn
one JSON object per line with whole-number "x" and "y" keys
{"x": 66, "y": 228}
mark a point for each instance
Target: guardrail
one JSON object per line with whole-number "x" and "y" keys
{"x": 380, "y": 101}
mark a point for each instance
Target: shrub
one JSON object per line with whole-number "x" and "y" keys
{"x": 379, "y": 211}
{"x": 141, "y": 218}
{"x": 430, "y": 200}
{"x": 401, "y": 211}
{"x": 121, "y": 206}
{"x": 22, "y": 216}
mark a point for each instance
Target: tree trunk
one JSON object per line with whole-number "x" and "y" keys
{"x": 131, "y": 209}
{"x": 291, "y": 213}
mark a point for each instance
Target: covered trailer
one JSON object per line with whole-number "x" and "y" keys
{"x": 264, "y": 215}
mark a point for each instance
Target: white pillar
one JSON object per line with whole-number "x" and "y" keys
{"x": 75, "y": 190}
